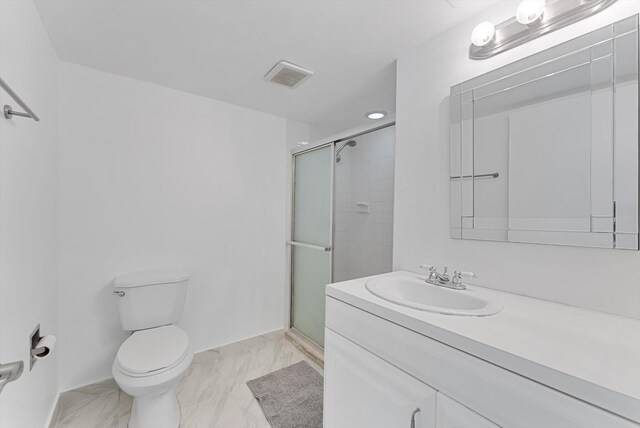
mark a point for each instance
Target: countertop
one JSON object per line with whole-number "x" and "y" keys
{"x": 589, "y": 355}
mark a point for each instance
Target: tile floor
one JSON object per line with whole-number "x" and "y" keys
{"x": 213, "y": 392}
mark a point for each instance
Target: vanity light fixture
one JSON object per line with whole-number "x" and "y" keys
{"x": 530, "y": 12}
{"x": 376, "y": 115}
{"x": 534, "y": 18}
{"x": 483, "y": 34}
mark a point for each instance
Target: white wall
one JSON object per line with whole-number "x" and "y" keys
{"x": 363, "y": 241}
{"x": 604, "y": 280}
{"x": 28, "y": 213}
{"x": 154, "y": 177}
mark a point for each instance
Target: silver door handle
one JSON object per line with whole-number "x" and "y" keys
{"x": 313, "y": 247}
{"x": 10, "y": 372}
{"x": 413, "y": 417}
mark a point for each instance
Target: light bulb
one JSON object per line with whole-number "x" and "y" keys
{"x": 530, "y": 12}
{"x": 483, "y": 34}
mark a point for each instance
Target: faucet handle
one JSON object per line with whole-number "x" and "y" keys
{"x": 425, "y": 266}
{"x": 432, "y": 271}
{"x": 457, "y": 279}
{"x": 458, "y": 275}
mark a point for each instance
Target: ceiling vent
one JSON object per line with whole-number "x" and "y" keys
{"x": 286, "y": 74}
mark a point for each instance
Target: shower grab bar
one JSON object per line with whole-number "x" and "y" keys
{"x": 9, "y": 112}
{"x": 313, "y": 247}
{"x": 492, "y": 175}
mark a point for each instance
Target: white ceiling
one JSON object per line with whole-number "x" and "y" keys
{"x": 222, "y": 49}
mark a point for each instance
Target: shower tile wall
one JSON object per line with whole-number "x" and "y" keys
{"x": 363, "y": 241}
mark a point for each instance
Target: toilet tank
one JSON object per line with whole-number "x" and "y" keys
{"x": 151, "y": 298}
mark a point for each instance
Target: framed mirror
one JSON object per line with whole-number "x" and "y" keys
{"x": 545, "y": 150}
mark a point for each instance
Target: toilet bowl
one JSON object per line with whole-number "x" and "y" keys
{"x": 153, "y": 360}
{"x": 149, "y": 367}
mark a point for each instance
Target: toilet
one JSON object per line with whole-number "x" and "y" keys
{"x": 153, "y": 360}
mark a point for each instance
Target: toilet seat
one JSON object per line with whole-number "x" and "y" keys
{"x": 153, "y": 351}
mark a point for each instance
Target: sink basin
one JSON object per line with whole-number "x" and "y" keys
{"x": 417, "y": 294}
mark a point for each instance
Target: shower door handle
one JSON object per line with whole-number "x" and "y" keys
{"x": 310, "y": 246}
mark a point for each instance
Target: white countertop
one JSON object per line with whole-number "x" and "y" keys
{"x": 589, "y": 355}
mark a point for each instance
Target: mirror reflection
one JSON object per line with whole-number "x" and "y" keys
{"x": 545, "y": 150}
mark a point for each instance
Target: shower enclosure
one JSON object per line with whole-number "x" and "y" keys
{"x": 342, "y": 222}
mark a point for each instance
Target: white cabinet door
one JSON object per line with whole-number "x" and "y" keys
{"x": 451, "y": 414}
{"x": 362, "y": 390}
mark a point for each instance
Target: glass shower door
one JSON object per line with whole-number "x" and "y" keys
{"x": 311, "y": 240}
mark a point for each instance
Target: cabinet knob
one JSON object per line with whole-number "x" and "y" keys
{"x": 413, "y": 417}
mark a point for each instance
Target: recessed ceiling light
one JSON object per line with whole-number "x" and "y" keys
{"x": 375, "y": 115}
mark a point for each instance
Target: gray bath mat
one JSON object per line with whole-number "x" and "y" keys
{"x": 291, "y": 397}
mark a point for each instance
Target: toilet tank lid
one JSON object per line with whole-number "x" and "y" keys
{"x": 149, "y": 277}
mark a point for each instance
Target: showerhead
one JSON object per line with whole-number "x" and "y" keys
{"x": 350, "y": 143}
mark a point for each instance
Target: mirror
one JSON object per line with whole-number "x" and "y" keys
{"x": 545, "y": 150}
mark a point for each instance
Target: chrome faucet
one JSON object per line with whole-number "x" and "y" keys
{"x": 443, "y": 279}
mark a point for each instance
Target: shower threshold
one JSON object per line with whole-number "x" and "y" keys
{"x": 303, "y": 343}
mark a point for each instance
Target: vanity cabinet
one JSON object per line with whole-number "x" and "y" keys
{"x": 451, "y": 414}
{"x": 364, "y": 391}
{"x": 378, "y": 372}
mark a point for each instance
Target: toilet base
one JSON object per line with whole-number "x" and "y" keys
{"x": 155, "y": 404}
{"x": 155, "y": 411}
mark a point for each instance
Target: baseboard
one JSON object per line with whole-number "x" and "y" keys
{"x": 311, "y": 349}
{"x": 239, "y": 340}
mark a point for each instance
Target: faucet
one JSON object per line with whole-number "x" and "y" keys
{"x": 443, "y": 279}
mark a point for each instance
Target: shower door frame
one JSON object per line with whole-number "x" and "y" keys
{"x": 332, "y": 141}
{"x": 291, "y": 243}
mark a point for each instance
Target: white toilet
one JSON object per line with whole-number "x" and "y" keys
{"x": 152, "y": 361}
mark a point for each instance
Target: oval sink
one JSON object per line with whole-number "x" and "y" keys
{"x": 416, "y": 293}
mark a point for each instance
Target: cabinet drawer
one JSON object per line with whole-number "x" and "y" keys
{"x": 499, "y": 395}
{"x": 364, "y": 391}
